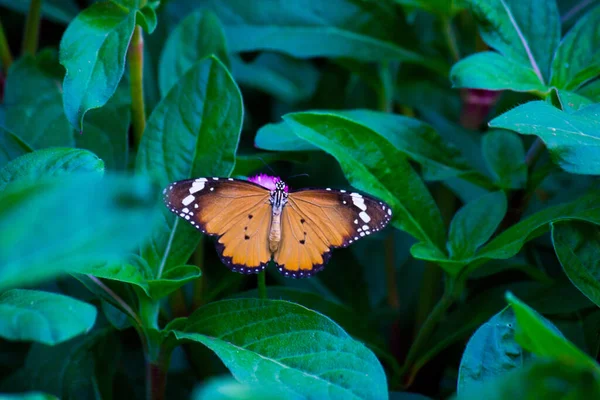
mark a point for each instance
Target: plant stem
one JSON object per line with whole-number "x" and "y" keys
{"x": 534, "y": 153}
{"x": 117, "y": 299}
{"x": 262, "y": 284}
{"x": 5, "y": 54}
{"x": 32, "y": 28}
{"x": 136, "y": 75}
{"x": 450, "y": 37}
{"x": 156, "y": 379}
{"x": 199, "y": 284}
{"x": 390, "y": 274}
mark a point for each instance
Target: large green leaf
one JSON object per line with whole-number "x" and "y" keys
{"x": 507, "y": 26}
{"x": 492, "y": 71}
{"x": 33, "y": 103}
{"x": 227, "y": 388}
{"x": 28, "y": 396}
{"x": 61, "y": 11}
{"x": 492, "y": 351}
{"x": 43, "y": 317}
{"x": 280, "y": 137}
{"x": 93, "y": 50}
{"x": 60, "y": 224}
{"x": 49, "y": 162}
{"x": 282, "y": 345}
{"x": 573, "y": 139}
{"x": 193, "y": 132}
{"x": 444, "y": 8}
{"x": 371, "y": 164}
{"x": 197, "y": 36}
{"x": 577, "y": 247}
{"x": 575, "y": 63}
{"x": 505, "y": 157}
{"x": 475, "y": 223}
{"x": 542, "y": 379}
{"x": 11, "y": 147}
{"x": 359, "y": 30}
{"x": 535, "y": 334}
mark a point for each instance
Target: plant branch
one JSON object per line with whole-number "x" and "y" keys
{"x": 136, "y": 74}
{"x": 5, "y": 54}
{"x": 450, "y": 37}
{"x": 32, "y": 28}
{"x": 393, "y": 299}
{"x": 262, "y": 284}
{"x": 534, "y": 153}
{"x": 156, "y": 376}
{"x": 117, "y": 299}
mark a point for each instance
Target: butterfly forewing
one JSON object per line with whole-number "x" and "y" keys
{"x": 315, "y": 220}
{"x": 236, "y": 211}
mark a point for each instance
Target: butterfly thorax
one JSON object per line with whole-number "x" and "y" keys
{"x": 278, "y": 199}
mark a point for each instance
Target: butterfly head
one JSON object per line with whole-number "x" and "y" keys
{"x": 278, "y": 196}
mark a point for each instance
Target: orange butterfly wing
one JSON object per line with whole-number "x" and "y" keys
{"x": 314, "y": 221}
{"x": 236, "y": 211}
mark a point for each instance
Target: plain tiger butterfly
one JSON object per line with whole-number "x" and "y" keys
{"x": 260, "y": 219}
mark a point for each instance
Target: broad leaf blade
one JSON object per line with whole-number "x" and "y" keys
{"x": 505, "y": 157}
{"x": 573, "y": 139}
{"x": 43, "y": 317}
{"x": 61, "y": 11}
{"x": 372, "y": 165}
{"x": 282, "y": 345}
{"x": 11, "y": 147}
{"x": 577, "y": 246}
{"x": 193, "y": 132}
{"x": 280, "y": 137}
{"x": 93, "y": 50}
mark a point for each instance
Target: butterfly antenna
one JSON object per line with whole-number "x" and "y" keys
{"x": 297, "y": 175}
{"x": 268, "y": 166}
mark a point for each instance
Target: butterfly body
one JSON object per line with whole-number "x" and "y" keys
{"x": 259, "y": 221}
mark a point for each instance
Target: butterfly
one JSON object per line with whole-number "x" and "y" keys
{"x": 260, "y": 219}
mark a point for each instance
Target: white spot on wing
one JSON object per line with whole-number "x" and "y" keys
{"x": 389, "y": 211}
{"x": 359, "y": 202}
{"x": 366, "y": 227}
{"x": 364, "y": 216}
{"x": 356, "y": 221}
{"x": 198, "y": 185}
{"x": 188, "y": 200}
{"x": 186, "y": 210}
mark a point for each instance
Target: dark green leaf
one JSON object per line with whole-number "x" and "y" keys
{"x": 49, "y": 162}
{"x": 228, "y": 388}
{"x": 492, "y": 71}
{"x": 288, "y": 347}
{"x": 197, "y": 36}
{"x": 505, "y": 157}
{"x": 571, "y": 102}
{"x": 474, "y": 224}
{"x": 372, "y": 165}
{"x": 193, "y": 132}
{"x": 444, "y": 8}
{"x": 285, "y": 78}
{"x": 146, "y": 16}
{"x": 572, "y": 138}
{"x": 507, "y": 26}
{"x": 407, "y": 396}
{"x": 93, "y": 51}
{"x": 43, "y": 317}
{"x": 64, "y": 223}
{"x": 172, "y": 279}
{"x": 492, "y": 351}
{"x": 577, "y": 247}
{"x": 28, "y": 396}
{"x": 537, "y": 335}
{"x": 246, "y": 164}
{"x": 280, "y": 137}
{"x": 542, "y": 379}
{"x": 364, "y": 31}
{"x": 575, "y": 63}
{"x": 591, "y": 90}
{"x": 11, "y": 147}
{"x": 61, "y": 11}
{"x": 37, "y": 119}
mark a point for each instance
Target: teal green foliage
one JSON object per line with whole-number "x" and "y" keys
{"x": 476, "y": 121}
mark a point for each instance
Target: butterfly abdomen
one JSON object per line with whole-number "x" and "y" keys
{"x": 275, "y": 232}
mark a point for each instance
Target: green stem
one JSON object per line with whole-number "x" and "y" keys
{"x": 450, "y": 37}
{"x": 32, "y": 28}
{"x": 198, "y": 293}
{"x": 117, "y": 299}
{"x": 149, "y": 310}
{"x": 262, "y": 284}
{"x": 391, "y": 280}
{"x": 5, "y": 54}
{"x": 156, "y": 375}
{"x": 136, "y": 75}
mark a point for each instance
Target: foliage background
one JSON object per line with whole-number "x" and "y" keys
{"x": 476, "y": 120}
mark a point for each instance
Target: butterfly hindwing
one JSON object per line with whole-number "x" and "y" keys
{"x": 316, "y": 220}
{"x": 236, "y": 211}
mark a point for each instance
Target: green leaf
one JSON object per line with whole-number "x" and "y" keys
{"x": 577, "y": 246}
{"x": 572, "y": 138}
{"x": 82, "y": 368}
{"x": 93, "y": 50}
{"x": 535, "y": 334}
{"x": 443, "y": 8}
{"x": 11, "y": 147}
{"x": 227, "y": 388}
{"x": 475, "y": 223}
{"x": 49, "y": 162}
{"x": 172, "y": 279}
{"x": 591, "y": 90}
{"x": 43, "y": 317}
{"x": 27, "y": 396}
{"x": 492, "y": 71}
{"x": 285, "y": 78}
{"x": 505, "y": 157}
{"x": 542, "y": 379}
{"x": 574, "y": 63}
{"x": 37, "y": 119}
{"x": 146, "y": 16}
{"x": 507, "y": 26}
{"x": 197, "y": 36}
{"x": 194, "y": 131}
{"x": 372, "y": 165}
{"x": 280, "y": 137}
{"x": 287, "y": 347}
{"x": 64, "y": 223}
{"x": 492, "y": 351}
{"x": 366, "y": 31}
{"x": 571, "y": 102}
{"x": 246, "y": 164}
{"x": 61, "y": 11}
